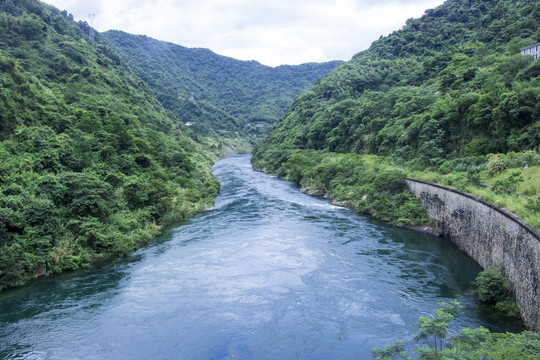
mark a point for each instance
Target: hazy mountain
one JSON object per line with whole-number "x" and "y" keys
{"x": 187, "y": 81}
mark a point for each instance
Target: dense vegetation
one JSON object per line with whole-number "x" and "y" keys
{"x": 365, "y": 183}
{"x": 446, "y": 85}
{"x": 91, "y": 165}
{"x": 494, "y": 289}
{"x": 441, "y": 342}
{"x": 443, "y": 94}
{"x": 192, "y": 83}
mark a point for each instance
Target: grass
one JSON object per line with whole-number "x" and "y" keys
{"x": 531, "y": 185}
{"x": 515, "y": 202}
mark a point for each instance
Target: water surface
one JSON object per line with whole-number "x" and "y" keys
{"x": 267, "y": 273}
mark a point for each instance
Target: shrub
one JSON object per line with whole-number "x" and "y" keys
{"x": 468, "y": 343}
{"x": 510, "y": 182}
{"x": 497, "y": 164}
{"x": 391, "y": 180}
{"x": 492, "y": 287}
{"x": 473, "y": 177}
{"x": 520, "y": 159}
{"x": 457, "y": 179}
{"x": 508, "y": 307}
{"x": 533, "y": 204}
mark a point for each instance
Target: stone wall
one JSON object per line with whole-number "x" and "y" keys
{"x": 492, "y": 237}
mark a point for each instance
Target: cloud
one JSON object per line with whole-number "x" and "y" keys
{"x": 271, "y": 32}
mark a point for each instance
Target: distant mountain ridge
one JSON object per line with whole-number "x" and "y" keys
{"x": 195, "y": 81}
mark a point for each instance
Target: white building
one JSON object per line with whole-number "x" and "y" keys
{"x": 533, "y": 50}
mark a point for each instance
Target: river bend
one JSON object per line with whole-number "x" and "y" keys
{"x": 267, "y": 273}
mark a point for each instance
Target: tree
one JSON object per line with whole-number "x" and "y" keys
{"x": 468, "y": 343}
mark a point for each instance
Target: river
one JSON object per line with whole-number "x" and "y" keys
{"x": 267, "y": 273}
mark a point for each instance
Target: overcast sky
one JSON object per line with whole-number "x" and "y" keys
{"x": 273, "y": 32}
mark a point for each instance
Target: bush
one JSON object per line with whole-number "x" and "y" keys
{"x": 473, "y": 177}
{"x": 492, "y": 287}
{"x": 508, "y": 307}
{"x": 390, "y": 180}
{"x": 510, "y": 182}
{"x": 533, "y": 204}
{"x": 457, "y": 179}
{"x": 85, "y": 194}
{"x": 497, "y": 164}
{"x": 468, "y": 343}
{"x": 464, "y": 164}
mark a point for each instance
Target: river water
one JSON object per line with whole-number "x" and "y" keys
{"x": 267, "y": 273}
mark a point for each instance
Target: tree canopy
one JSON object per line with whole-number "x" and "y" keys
{"x": 452, "y": 83}
{"x": 91, "y": 164}
{"x": 194, "y": 82}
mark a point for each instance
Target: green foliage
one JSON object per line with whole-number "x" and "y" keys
{"x": 480, "y": 343}
{"x": 434, "y": 329}
{"x": 449, "y": 85}
{"x": 368, "y": 184}
{"x": 492, "y": 286}
{"x": 91, "y": 165}
{"x": 508, "y": 307}
{"x": 525, "y": 345}
{"x": 533, "y": 204}
{"x": 496, "y": 164}
{"x": 450, "y": 92}
{"x": 219, "y": 95}
{"x": 392, "y": 351}
{"x": 510, "y": 182}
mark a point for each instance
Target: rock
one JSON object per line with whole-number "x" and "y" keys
{"x": 341, "y": 203}
{"x": 314, "y": 192}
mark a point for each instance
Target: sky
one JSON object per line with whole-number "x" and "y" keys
{"x": 272, "y": 32}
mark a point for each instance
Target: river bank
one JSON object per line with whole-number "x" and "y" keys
{"x": 267, "y": 272}
{"x": 426, "y": 229}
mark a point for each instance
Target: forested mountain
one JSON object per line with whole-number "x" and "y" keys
{"x": 192, "y": 83}
{"x": 451, "y": 83}
{"x": 91, "y": 164}
{"x": 443, "y": 95}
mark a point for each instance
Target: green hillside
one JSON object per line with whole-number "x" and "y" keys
{"x": 193, "y": 82}
{"x": 441, "y": 94}
{"x": 452, "y": 83}
{"x": 91, "y": 165}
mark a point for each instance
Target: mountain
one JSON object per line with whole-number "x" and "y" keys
{"x": 452, "y": 83}
{"x": 448, "y": 98}
{"x": 193, "y": 81}
{"x": 91, "y": 164}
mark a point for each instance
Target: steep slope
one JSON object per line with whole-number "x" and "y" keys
{"x": 91, "y": 165}
{"x": 440, "y": 94}
{"x": 452, "y": 83}
{"x": 188, "y": 81}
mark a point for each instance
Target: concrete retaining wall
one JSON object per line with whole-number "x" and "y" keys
{"x": 492, "y": 237}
